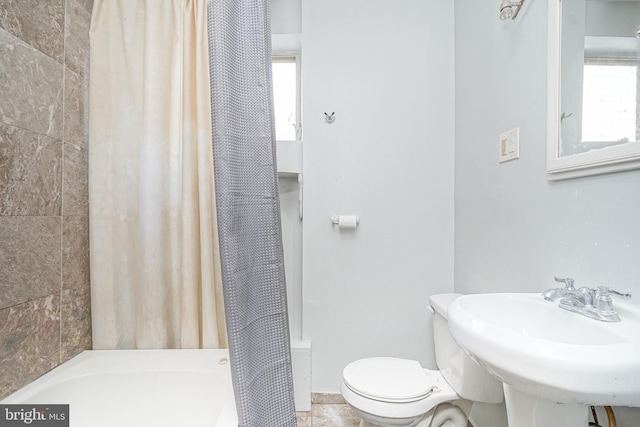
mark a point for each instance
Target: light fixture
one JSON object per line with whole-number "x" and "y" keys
{"x": 510, "y": 9}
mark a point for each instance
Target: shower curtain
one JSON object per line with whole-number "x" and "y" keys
{"x": 155, "y": 267}
{"x": 249, "y": 212}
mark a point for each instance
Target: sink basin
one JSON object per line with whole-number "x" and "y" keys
{"x": 543, "y": 351}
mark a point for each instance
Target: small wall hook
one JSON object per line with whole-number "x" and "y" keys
{"x": 330, "y": 118}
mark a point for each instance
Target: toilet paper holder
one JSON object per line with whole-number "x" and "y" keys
{"x": 345, "y": 221}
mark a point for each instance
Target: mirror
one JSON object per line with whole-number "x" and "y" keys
{"x": 594, "y": 87}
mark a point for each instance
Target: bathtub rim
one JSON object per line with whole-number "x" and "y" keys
{"x": 64, "y": 372}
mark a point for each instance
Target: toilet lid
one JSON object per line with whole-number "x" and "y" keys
{"x": 388, "y": 379}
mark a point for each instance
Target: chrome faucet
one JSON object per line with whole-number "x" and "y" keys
{"x": 596, "y": 304}
{"x": 582, "y": 296}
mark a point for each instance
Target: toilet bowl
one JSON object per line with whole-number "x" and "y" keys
{"x": 389, "y": 391}
{"x": 394, "y": 392}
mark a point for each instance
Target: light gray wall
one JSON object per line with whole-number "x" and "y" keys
{"x": 386, "y": 70}
{"x": 612, "y": 18}
{"x": 285, "y": 16}
{"x": 514, "y": 230}
{"x": 292, "y": 242}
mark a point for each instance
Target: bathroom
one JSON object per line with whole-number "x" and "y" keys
{"x": 421, "y": 94}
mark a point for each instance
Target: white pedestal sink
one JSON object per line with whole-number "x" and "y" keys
{"x": 554, "y": 363}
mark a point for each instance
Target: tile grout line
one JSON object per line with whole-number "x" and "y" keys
{"x": 62, "y": 162}
{"x": 27, "y": 43}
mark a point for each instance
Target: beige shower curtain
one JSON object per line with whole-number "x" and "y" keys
{"x": 155, "y": 268}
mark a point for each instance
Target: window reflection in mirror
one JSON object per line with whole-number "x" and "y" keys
{"x": 609, "y": 101}
{"x": 600, "y": 75}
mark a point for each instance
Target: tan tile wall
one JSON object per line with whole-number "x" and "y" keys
{"x": 45, "y": 316}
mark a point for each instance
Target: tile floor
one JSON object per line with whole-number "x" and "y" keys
{"x": 328, "y": 415}
{"x": 328, "y": 410}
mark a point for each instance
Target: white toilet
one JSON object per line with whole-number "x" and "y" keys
{"x": 387, "y": 391}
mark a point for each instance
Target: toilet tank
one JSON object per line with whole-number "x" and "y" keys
{"x": 466, "y": 377}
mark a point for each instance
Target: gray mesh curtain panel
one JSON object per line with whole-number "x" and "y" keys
{"x": 249, "y": 212}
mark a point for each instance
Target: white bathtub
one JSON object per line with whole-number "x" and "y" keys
{"x": 139, "y": 388}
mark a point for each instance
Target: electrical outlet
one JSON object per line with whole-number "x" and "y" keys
{"x": 509, "y": 148}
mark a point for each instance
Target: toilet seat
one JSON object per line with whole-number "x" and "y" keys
{"x": 388, "y": 379}
{"x": 365, "y": 391}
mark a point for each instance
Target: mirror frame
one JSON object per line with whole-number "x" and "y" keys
{"x": 606, "y": 160}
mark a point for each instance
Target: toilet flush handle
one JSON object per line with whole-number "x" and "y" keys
{"x": 432, "y": 310}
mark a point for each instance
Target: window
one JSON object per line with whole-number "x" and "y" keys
{"x": 286, "y": 97}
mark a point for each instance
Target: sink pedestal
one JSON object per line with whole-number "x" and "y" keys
{"x": 524, "y": 410}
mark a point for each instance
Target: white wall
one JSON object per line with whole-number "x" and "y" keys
{"x": 607, "y": 18}
{"x": 285, "y": 16}
{"x": 386, "y": 70}
{"x": 292, "y": 242}
{"x": 514, "y": 230}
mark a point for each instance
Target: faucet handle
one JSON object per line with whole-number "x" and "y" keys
{"x": 605, "y": 290}
{"x": 603, "y": 298}
{"x": 568, "y": 282}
